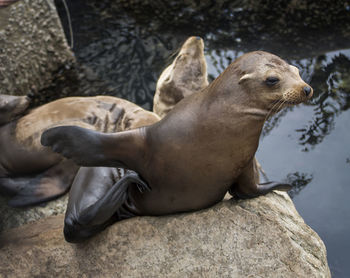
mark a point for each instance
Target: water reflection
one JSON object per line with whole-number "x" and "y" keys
{"x": 331, "y": 82}
{"x": 117, "y": 56}
{"x": 298, "y": 181}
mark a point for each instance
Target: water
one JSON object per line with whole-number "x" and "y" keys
{"x": 122, "y": 54}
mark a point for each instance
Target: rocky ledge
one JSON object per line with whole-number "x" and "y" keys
{"x": 261, "y": 237}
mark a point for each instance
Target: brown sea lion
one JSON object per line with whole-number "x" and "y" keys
{"x": 185, "y": 76}
{"x": 202, "y": 148}
{"x": 90, "y": 208}
{"x": 34, "y": 174}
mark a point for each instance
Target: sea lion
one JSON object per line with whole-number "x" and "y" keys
{"x": 12, "y": 107}
{"x": 90, "y": 208}
{"x": 202, "y": 148}
{"x": 186, "y": 75}
{"x": 34, "y": 174}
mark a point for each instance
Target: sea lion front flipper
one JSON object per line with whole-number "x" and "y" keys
{"x": 91, "y": 206}
{"x": 79, "y": 144}
{"x": 84, "y": 146}
{"x": 262, "y": 189}
{"x": 247, "y": 185}
{"x": 12, "y": 107}
{"x": 43, "y": 187}
{"x": 87, "y": 147}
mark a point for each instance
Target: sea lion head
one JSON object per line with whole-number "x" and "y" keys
{"x": 11, "y": 107}
{"x": 270, "y": 81}
{"x": 185, "y": 76}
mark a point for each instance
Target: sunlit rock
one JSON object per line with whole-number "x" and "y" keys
{"x": 261, "y": 237}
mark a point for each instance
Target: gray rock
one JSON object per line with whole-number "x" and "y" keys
{"x": 261, "y": 237}
{"x": 33, "y": 46}
{"x": 15, "y": 217}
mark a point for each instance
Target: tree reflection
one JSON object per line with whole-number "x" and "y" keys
{"x": 298, "y": 181}
{"x": 331, "y": 83}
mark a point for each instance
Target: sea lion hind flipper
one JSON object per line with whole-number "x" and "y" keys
{"x": 111, "y": 201}
{"x": 41, "y": 188}
{"x": 80, "y": 225}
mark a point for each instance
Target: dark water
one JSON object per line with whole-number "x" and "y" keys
{"x": 123, "y": 51}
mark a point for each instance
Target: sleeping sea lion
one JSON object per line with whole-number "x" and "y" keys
{"x": 186, "y": 75}
{"x": 34, "y": 174}
{"x": 202, "y": 148}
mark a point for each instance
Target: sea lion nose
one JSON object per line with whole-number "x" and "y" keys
{"x": 307, "y": 90}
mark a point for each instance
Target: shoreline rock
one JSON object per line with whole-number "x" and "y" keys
{"x": 261, "y": 237}
{"x": 33, "y": 46}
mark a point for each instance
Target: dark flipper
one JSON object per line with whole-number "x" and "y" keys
{"x": 261, "y": 189}
{"x": 87, "y": 147}
{"x": 96, "y": 195}
{"x": 82, "y": 145}
{"x": 248, "y": 186}
{"x": 11, "y": 107}
{"x": 43, "y": 187}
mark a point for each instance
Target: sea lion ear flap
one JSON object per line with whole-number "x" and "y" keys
{"x": 246, "y": 77}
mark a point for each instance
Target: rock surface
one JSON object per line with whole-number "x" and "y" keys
{"x": 33, "y": 46}
{"x": 262, "y": 237}
{"x": 15, "y": 217}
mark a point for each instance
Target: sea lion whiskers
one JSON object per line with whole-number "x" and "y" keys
{"x": 278, "y": 102}
{"x": 279, "y": 108}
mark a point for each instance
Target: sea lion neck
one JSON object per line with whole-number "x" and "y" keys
{"x": 226, "y": 95}
{"x": 131, "y": 144}
{"x": 207, "y": 122}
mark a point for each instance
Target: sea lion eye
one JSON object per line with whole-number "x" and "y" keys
{"x": 270, "y": 81}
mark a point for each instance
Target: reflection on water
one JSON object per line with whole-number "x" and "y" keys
{"x": 122, "y": 52}
{"x": 298, "y": 181}
{"x": 330, "y": 78}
